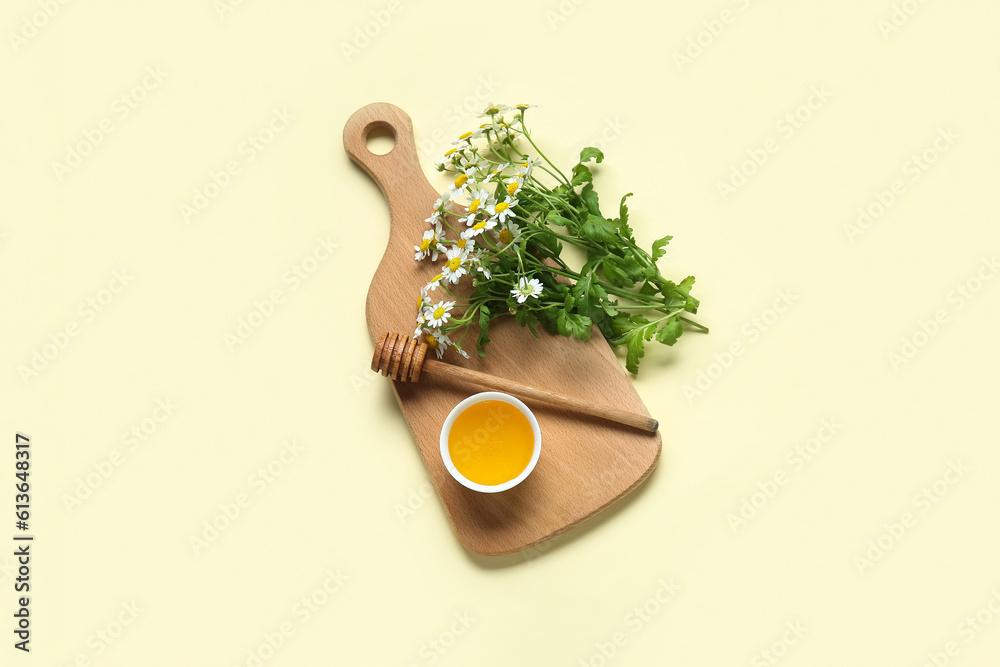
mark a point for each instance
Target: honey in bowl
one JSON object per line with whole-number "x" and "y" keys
{"x": 491, "y": 442}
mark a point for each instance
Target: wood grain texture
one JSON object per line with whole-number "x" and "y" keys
{"x": 586, "y": 463}
{"x": 398, "y": 364}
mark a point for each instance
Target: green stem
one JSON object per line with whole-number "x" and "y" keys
{"x": 527, "y": 135}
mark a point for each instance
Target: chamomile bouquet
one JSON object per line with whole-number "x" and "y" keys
{"x": 503, "y": 223}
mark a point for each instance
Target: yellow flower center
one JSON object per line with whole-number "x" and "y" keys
{"x": 512, "y": 188}
{"x": 439, "y": 312}
{"x": 431, "y": 341}
{"x": 437, "y": 277}
{"x": 461, "y": 180}
{"x": 460, "y": 243}
{"x": 449, "y": 151}
{"x": 424, "y": 245}
{"x": 420, "y": 303}
{"x": 466, "y": 135}
{"x": 474, "y": 205}
{"x": 479, "y": 225}
{"x": 493, "y": 110}
{"x": 505, "y": 236}
{"x": 501, "y": 207}
{"x": 453, "y": 265}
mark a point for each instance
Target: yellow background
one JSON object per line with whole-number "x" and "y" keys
{"x": 351, "y": 499}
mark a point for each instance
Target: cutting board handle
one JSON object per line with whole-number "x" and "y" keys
{"x": 395, "y": 172}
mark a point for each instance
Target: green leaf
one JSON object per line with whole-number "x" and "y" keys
{"x": 598, "y": 230}
{"x": 636, "y": 350}
{"x": 658, "y": 246}
{"x": 591, "y": 153}
{"x": 691, "y": 304}
{"x": 623, "y": 324}
{"x": 547, "y": 240}
{"x": 559, "y": 220}
{"x": 615, "y": 275}
{"x": 621, "y": 222}
{"x": 581, "y": 175}
{"x": 581, "y": 290}
{"x": 484, "y": 329}
{"x": 590, "y": 199}
{"x": 548, "y": 319}
{"x": 670, "y": 331}
{"x": 632, "y": 268}
{"x": 684, "y": 287}
{"x": 526, "y": 318}
{"x": 591, "y": 299}
{"x": 571, "y": 324}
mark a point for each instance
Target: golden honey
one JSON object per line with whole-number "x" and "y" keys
{"x": 491, "y": 442}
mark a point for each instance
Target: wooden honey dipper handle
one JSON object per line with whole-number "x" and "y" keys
{"x": 402, "y": 358}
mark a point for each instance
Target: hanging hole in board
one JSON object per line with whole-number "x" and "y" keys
{"x": 381, "y": 138}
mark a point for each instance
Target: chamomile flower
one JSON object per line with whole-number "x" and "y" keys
{"x": 514, "y": 184}
{"x": 463, "y": 139}
{"x": 524, "y": 169}
{"x": 454, "y": 268}
{"x": 438, "y": 314}
{"x": 437, "y": 341}
{"x": 510, "y": 231}
{"x": 470, "y": 219}
{"x": 464, "y": 163}
{"x": 479, "y": 227}
{"x": 524, "y": 107}
{"x": 458, "y": 188}
{"x": 494, "y": 172}
{"x": 468, "y": 245}
{"x": 526, "y": 289}
{"x": 502, "y": 210}
{"x": 450, "y": 156}
{"x": 434, "y": 283}
{"x": 424, "y": 300}
{"x": 494, "y": 109}
{"x": 478, "y": 199}
{"x": 476, "y": 260}
{"x": 430, "y": 244}
{"x": 441, "y": 201}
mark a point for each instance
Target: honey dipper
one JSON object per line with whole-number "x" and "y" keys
{"x": 403, "y": 358}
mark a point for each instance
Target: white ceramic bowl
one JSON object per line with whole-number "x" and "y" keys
{"x": 459, "y": 409}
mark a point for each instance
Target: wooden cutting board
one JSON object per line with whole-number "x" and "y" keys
{"x": 586, "y": 463}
